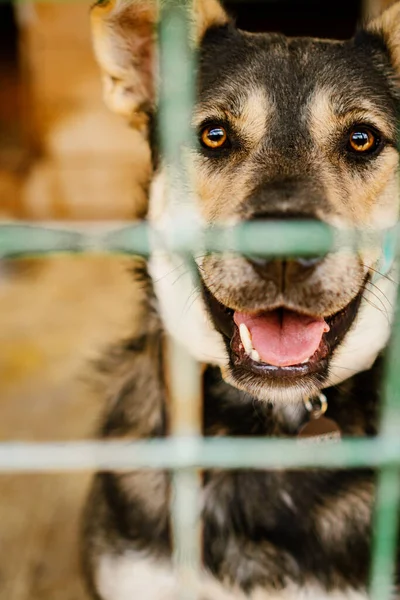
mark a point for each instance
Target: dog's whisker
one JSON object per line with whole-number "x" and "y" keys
{"x": 336, "y": 366}
{"x": 186, "y": 272}
{"x": 378, "y": 289}
{"x": 158, "y": 279}
{"x": 383, "y": 312}
{"x": 190, "y": 301}
{"x": 380, "y": 300}
{"x": 377, "y": 272}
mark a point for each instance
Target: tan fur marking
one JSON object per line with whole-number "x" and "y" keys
{"x": 325, "y": 116}
{"x": 250, "y": 119}
{"x": 149, "y": 488}
{"x": 219, "y": 193}
{"x": 208, "y": 13}
{"x": 357, "y": 198}
{"x": 124, "y": 43}
{"x": 351, "y": 506}
{"x": 388, "y": 23}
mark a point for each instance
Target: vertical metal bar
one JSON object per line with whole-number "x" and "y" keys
{"x": 385, "y": 534}
{"x": 186, "y": 397}
{"x": 390, "y": 418}
{"x": 176, "y": 101}
{"x": 177, "y": 84}
{"x": 185, "y": 392}
{"x": 386, "y": 523}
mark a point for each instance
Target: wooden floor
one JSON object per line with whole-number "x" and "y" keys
{"x": 54, "y": 317}
{"x": 57, "y": 314}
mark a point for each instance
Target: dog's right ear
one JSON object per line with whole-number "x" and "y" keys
{"x": 387, "y": 26}
{"x": 124, "y": 34}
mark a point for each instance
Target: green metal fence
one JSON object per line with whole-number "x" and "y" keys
{"x": 186, "y": 452}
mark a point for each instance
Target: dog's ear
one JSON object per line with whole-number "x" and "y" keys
{"x": 124, "y": 35}
{"x": 387, "y": 26}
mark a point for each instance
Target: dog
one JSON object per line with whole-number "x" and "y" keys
{"x": 287, "y": 128}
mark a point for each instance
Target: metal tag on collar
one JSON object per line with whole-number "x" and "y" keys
{"x": 319, "y": 428}
{"x": 316, "y": 406}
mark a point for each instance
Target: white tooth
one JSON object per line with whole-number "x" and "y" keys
{"x": 247, "y": 344}
{"x": 305, "y": 361}
{"x": 255, "y": 356}
{"x": 246, "y": 338}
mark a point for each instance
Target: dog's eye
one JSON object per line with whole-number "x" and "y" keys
{"x": 214, "y": 137}
{"x": 362, "y": 140}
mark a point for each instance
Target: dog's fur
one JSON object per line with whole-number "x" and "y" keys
{"x": 288, "y": 106}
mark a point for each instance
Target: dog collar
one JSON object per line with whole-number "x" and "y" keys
{"x": 318, "y": 428}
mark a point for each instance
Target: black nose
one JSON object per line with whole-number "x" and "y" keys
{"x": 263, "y": 265}
{"x": 308, "y": 262}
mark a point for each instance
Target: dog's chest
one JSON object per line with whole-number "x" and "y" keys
{"x": 266, "y": 528}
{"x": 267, "y": 535}
{"x": 133, "y": 575}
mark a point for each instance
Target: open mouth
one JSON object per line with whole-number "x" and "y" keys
{"x": 280, "y": 344}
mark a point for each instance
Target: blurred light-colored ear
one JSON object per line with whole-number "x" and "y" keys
{"x": 387, "y": 25}
{"x": 124, "y": 36}
{"x": 208, "y": 13}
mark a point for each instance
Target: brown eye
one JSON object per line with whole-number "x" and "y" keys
{"x": 362, "y": 140}
{"x": 214, "y": 136}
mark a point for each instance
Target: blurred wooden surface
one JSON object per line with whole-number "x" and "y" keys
{"x": 54, "y": 318}
{"x": 85, "y": 163}
{"x": 57, "y": 314}
{"x": 39, "y": 537}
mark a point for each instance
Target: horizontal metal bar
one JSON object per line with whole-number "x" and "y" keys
{"x": 276, "y": 238}
{"x": 20, "y": 239}
{"x": 198, "y": 453}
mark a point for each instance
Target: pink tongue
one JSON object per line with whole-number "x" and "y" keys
{"x": 283, "y": 338}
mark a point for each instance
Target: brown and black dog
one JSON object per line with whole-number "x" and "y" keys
{"x": 286, "y": 129}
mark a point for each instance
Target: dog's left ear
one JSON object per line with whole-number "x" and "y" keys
{"x": 124, "y": 35}
{"x": 387, "y": 26}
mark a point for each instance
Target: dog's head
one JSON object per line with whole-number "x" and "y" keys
{"x": 287, "y": 129}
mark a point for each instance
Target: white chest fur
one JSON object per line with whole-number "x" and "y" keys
{"x": 183, "y": 311}
{"x": 133, "y": 576}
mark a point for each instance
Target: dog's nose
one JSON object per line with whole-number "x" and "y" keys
{"x": 259, "y": 262}
{"x": 298, "y": 266}
{"x": 306, "y": 262}
{"x": 293, "y": 268}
